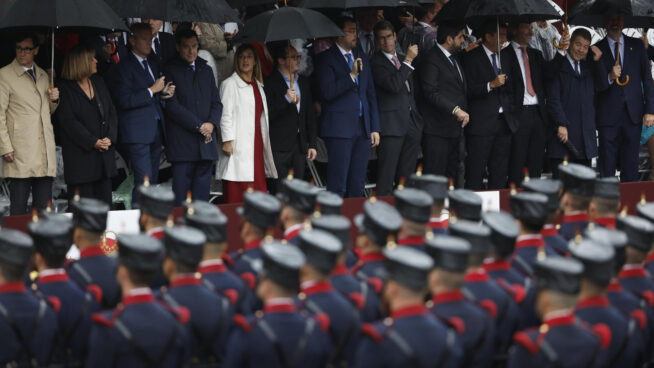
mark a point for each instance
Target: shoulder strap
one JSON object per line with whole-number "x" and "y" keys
{"x": 124, "y": 331}
{"x": 404, "y": 347}
{"x": 82, "y": 272}
{"x": 24, "y": 342}
{"x": 525, "y": 266}
{"x": 204, "y": 349}
{"x": 336, "y": 358}
{"x": 302, "y": 343}
{"x": 631, "y": 328}
{"x": 315, "y": 309}
{"x": 272, "y": 337}
{"x": 68, "y": 335}
{"x": 550, "y": 353}
{"x": 450, "y": 340}
{"x": 255, "y": 264}
{"x": 478, "y": 343}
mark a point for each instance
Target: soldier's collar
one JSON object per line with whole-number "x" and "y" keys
{"x": 185, "y": 280}
{"x": 91, "y": 252}
{"x": 253, "y": 244}
{"x": 593, "y": 301}
{"x": 12, "y": 287}
{"x": 410, "y": 311}
{"x": 448, "y": 297}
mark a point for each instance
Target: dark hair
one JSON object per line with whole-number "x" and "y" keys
{"x": 533, "y": 226}
{"x": 384, "y": 25}
{"x": 446, "y": 30}
{"x": 184, "y": 268}
{"x": 342, "y": 20}
{"x": 22, "y": 36}
{"x": 422, "y": 10}
{"x": 136, "y": 27}
{"x": 185, "y": 34}
{"x": 488, "y": 28}
{"x": 54, "y": 261}
{"x": 277, "y": 50}
{"x": 139, "y": 278}
{"x": 12, "y": 272}
{"x": 583, "y": 33}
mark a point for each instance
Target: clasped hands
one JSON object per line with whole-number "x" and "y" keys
{"x": 103, "y": 144}
{"x": 206, "y": 129}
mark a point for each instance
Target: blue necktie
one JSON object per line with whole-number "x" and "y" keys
{"x": 497, "y": 71}
{"x": 147, "y": 71}
{"x": 577, "y": 69}
{"x": 350, "y": 64}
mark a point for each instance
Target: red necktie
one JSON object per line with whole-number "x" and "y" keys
{"x": 530, "y": 86}
{"x": 114, "y": 52}
{"x": 396, "y": 61}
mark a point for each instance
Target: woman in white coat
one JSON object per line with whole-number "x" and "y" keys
{"x": 247, "y": 160}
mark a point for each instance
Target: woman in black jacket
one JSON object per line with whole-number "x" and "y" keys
{"x": 89, "y": 127}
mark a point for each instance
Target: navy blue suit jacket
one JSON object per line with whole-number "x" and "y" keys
{"x": 341, "y": 96}
{"x": 637, "y": 66}
{"x": 137, "y": 111}
{"x": 196, "y": 101}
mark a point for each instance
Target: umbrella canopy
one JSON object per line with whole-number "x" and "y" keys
{"x": 242, "y": 3}
{"x": 525, "y": 10}
{"x": 351, "y": 4}
{"x": 74, "y": 14}
{"x": 209, "y": 11}
{"x": 592, "y": 13}
{"x": 287, "y": 23}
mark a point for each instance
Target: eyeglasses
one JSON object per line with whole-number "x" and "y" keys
{"x": 25, "y": 49}
{"x": 245, "y": 57}
{"x": 295, "y": 57}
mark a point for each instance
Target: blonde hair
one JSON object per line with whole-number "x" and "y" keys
{"x": 257, "y": 64}
{"x": 78, "y": 64}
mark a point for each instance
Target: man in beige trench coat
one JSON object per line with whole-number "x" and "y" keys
{"x": 27, "y": 144}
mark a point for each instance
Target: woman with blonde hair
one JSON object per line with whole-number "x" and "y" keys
{"x": 247, "y": 156}
{"x": 88, "y": 126}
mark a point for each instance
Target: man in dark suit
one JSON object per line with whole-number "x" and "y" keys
{"x": 621, "y": 110}
{"x": 109, "y": 48}
{"x": 525, "y": 74}
{"x": 443, "y": 102}
{"x": 193, "y": 115}
{"x": 291, "y": 114}
{"x": 350, "y": 120}
{"x": 163, "y": 43}
{"x": 401, "y": 125}
{"x": 138, "y": 92}
{"x": 488, "y": 136}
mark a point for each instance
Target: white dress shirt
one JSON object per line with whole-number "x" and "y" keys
{"x": 527, "y": 99}
{"x": 490, "y": 54}
{"x": 140, "y": 60}
{"x": 345, "y": 57}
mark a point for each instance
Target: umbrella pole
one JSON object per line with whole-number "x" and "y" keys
{"x": 290, "y": 73}
{"x": 617, "y": 62}
{"x": 52, "y": 60}
{"x": 499, "y": 49}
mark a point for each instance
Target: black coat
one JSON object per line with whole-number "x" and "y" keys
{"x": 539, "y": 70}
{"x": 284, "y": 119}
{"x": 483, "y": 106}
{"x": 81, "y": 125}
{"x": 167, "y": 50}
{"x": 196, "y": 101}
{"x": 441, "y": 91}
{"x": 393, "y": 98}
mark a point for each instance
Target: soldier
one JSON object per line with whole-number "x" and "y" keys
{"x": 259, "y": 216}
{"x": 578, "y": 184}
{"x": 633, "y": 276}
{"x": 411, "y": 336}
{"x": 465, "y": 204}
{"x": 93, "y": 267}
{"x": 626, "y": 348}
{"x": 279, "y": 336}
{"x": 330, "y": 203}
{"x": 211, "y": 313}
{"x": 317, "y": 296}
{"x": 52, "y": 238}
{"x": 378, "y": 222}
{"x": 559, "y": 341}
{"x": 360, "y": 293}
{"x": 530, "y": 209}
{"x": 550, "y": 188}
{"x": 603, "y": 207}
{"x": 141, "y": 332}
{"x": 28, "y": 326}
{"x": 299, "y": 202}
{"x": 215, "y": 274}
{"x": 481, "y": 289}
{"x": 475, "y": 326}
{"x": 646, "y": 211}
{"x": 436, "y": 186}
{"x": 414, "y": 205}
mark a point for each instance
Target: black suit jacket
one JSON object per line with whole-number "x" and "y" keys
{"x": 284, "y": 118}
{"x": 539, "y": 70}
{"x": 167, "y": 50}
{"x": 483, "y": 106}
{"x": 395, "y": 101}
{"x": 442, "y": 89}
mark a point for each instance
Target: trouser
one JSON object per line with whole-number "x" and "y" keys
{"x": 194, "y": 176}
{"x": 396, "y": 159}
{"x": 99, "y": 189}
{"x": 348, "y": 163}
{"x": 528, "y": 145}
{"x": 620, "y": 143}
{"x": 144, "y": 158}
{"x": 20, "y": 189}
{"x": 440, "y": 155}
{"x": 490, "y": 152}
{"x": 284, "y": 161}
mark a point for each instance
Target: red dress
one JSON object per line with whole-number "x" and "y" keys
{"x": 233, "y": 190}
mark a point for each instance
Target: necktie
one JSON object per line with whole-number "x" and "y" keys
{"x": 193, "y": 67}
{"x": 32, "y": 74}
{"x": 495, "y": 69}
{"x": 369, "y": 47}
{"x": 525, "y": 59}
{"x": 615, "y": 53}
{"x": 147, "y": 71}
{"x": 115, "y": 56}
{"x": 350, "y": 64}
{"x": 157, "y": 46}
{"x": 396, "y": 61}
{"x": 453, "y": 60}
{"x": 577, "y": 69}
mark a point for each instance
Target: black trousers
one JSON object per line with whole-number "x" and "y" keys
{"x": 99, "y": 189}
{"x": 440, "y": 155}
{"x": 396, "y": 158}
{"x": 488, "y": 152}
{"x": 528, "y": 145}
{"x": 286, "y": 160}
{"x": 20, "y": 189}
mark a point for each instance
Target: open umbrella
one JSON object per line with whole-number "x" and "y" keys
{"x": 351, "y": 4}
{"x": 57, "y": 14}
{"x": 208, "y": 11}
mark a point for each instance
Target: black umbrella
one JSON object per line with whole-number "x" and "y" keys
{"x": 208, "y": 11}
{"x": 351, "y": 4}
{"x": 56, "y": 14}
{"x": 592, "y": 13}
{"x": 242, "y": 3}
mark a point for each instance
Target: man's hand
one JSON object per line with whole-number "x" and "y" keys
{"x": 648, "y": 120}
{"x": 228, "y": 148}
{"x": 318, "y": 107}
{"x": 158, "y": 85}
{"x": 473, "y": 45}
{"x": 206, "y": 129}
{"x": 499, "y": 81}
{"x": 563, "y": 134}
{"x": 196, "y": 29}
{"x": 597, "y": 53}
{"x": 9, "y": 157}
{"x": 411, "y": 53}
{"x": 102, "y": 144}
{"x": 644, "y": 38}
{"x": 311, "y": 154}
{"x": 168, "y": 91}
{"x": 107, "y": 51}
{"x": 54, "y": 94}
{"x": 290, "y": 93}
{"x": 616, "y": 72}
{"x": 357, "y": 67}
{"x": 564, "y": 42}
{"x": 374, "y": 139}
{"x": 463, "y": 117}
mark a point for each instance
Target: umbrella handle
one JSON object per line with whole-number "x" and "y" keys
{"x": 290, "y": 73}
{"x": 566, "y": 32}
{"x": 617, "y": 62}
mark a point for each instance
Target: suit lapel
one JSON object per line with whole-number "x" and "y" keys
{"x": 448, "y": 62}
